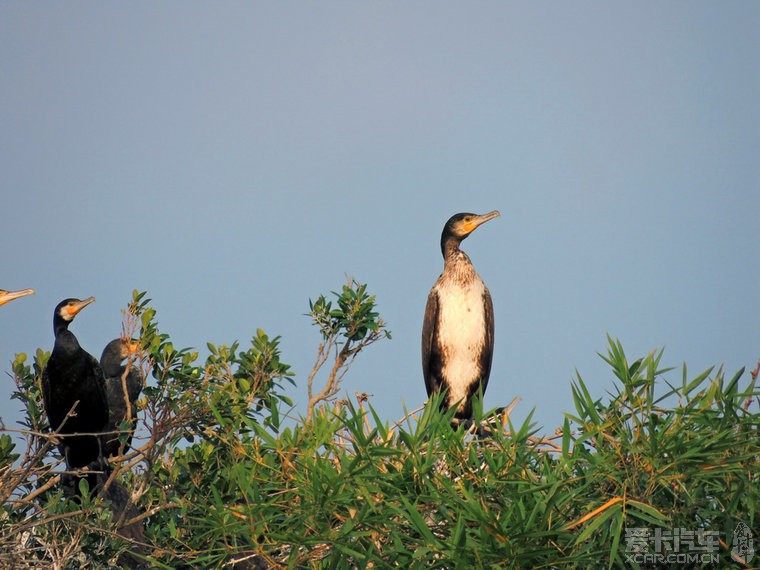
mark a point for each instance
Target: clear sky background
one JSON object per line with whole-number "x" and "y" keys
{"x": 237, "y": 159}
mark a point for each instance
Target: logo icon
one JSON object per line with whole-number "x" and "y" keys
{"x": 743, "y": 550}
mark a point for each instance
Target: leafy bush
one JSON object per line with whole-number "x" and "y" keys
{"x": 223, "y": 475}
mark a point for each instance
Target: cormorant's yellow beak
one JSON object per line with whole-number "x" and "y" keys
{"x": 73, "y": 308}
{"x": 475, "y": 221}
{"x": 130, "y": 346}
{"x": 7, "y": 296}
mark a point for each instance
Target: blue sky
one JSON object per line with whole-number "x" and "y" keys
{"x": 237, "y": 159}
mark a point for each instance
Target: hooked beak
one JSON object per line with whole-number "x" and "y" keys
{"x": 476, "y": 221}
{"x": 130, "y": 346}
{"x": 7, "y": 296}
{"x": 74, "y": 308}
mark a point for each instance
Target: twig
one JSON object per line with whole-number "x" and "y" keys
{"x": 409, "y": 415}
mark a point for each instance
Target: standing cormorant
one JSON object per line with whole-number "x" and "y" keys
{"x": 123, "y": 387}
{"x": 8, "y": 296}
{"x": 457, "y": 333}
{"x": 73, "y": 379}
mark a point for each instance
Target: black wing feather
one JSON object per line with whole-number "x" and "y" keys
{"x": 486, "y": 355}
{"x": 431, "y": 356}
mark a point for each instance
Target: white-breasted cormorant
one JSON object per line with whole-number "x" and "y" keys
{"x": 457, "y": 333}
{"x": 73, "y": 377}
{"x": 122, "y": 405}
{"x": 8, "y": 296}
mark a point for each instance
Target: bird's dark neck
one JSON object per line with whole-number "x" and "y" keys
{"x": 65, "y": 342}
{"x": 449, "y": 246}
{"x": 451, "y": 252}
{"x": 59, "y": 324}
{"x": 111, "y": 365}
{"x": 457, "y": 267}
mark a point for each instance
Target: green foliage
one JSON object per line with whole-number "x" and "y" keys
{"x": 347, "y": 329}
{"x": 685, "y": 458}
{"x": 353, "y": 319}
{"x": 222, "y": 474}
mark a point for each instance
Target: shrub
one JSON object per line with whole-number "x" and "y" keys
{"x": 222, "y": 474}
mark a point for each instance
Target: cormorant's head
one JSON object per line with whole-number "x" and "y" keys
{"x": 69, "y": 308}
{"x": 121, "y": 348}
{"x": 115, "y": 352}
{"x": 8, "y": 296}
{"x": 461, "y": 225}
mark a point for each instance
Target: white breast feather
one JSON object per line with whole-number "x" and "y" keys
{"x": 461, "y": 332}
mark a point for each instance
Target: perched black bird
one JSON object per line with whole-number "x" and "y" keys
{"x": 74, "y": 380}
{"x": 123, "y": 387}
{"x": 8, "y": 296}
{"x": 457, "y": 333}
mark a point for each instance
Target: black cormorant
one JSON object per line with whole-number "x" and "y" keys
{"x": 122, "y": 404}
{"x": 72, "y": 378}
{"x": 457, "y": 333}
{"x": 8, "y": 296}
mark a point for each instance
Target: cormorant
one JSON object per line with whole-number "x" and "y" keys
{"x": 73, "y": 379}
{"x": 122, "y": 405}
{"x": 457, "y": 333}
{"x": 8, "y": 296}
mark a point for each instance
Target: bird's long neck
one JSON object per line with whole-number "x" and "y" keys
{"x": 457, "y": 266}
{"x": 66, "y": 344}
{"x": 60, "y": 324}
{"x": 111, "y": 365}
{"x": 449, "y": 246}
